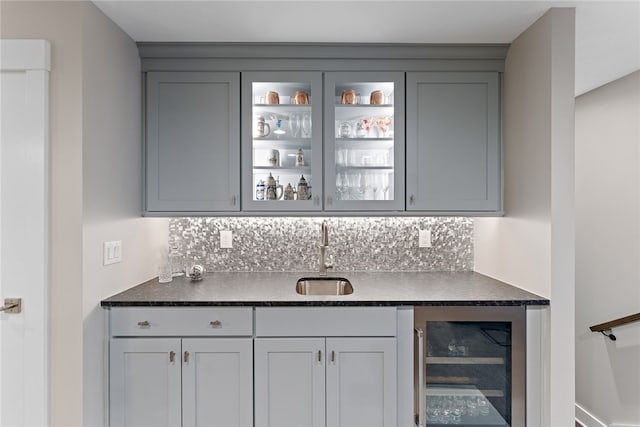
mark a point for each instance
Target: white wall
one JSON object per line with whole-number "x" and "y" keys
{"x": 95, "y": 189}
{"x": 532, "y": 246}
{"x": 608, "y": 249}
{"x": 112, "y": 189}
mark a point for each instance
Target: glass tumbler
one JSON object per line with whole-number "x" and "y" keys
{"x": 164, "y": 273}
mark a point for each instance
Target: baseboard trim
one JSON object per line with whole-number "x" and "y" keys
{"x": 586, "y": 419}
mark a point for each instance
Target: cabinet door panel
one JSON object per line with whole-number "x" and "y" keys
{"x": 453, "y": 142}
{"x": 361, "y": 382}
{"x": 145, "y": 382}
{"x": 289, "y": 382}
{"x": 274, "y": 134}
{"x": 364, "y": 141}
{"x": 193, "y": 141}
{"x": 217, "y": 382}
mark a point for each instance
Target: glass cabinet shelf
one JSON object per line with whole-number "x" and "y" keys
{"x": 294, "y": 170}
{"x": 464, "y": 361}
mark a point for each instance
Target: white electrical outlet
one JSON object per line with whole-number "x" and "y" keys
{"x": 226, "y": 239}
{"x": 111, "y": 252}
{"x": 424, "y": 239}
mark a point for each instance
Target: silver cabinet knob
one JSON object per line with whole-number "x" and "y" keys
{"x": 215, "y": 324}
{"x": 144, "y": 324}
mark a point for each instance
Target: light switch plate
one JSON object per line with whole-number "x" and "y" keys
{"x": 226, "y": 239}
{"x": 424, "y": 239}
{"x": 112, "y": 252}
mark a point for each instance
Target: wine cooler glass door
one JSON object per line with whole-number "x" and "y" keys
{"x": 472, "y": 369}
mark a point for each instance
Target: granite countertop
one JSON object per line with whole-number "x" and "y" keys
{"x": 370, "y": 288}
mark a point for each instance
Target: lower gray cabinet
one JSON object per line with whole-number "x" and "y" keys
{"x": 453, "y": 142}
{"x": 313, "y": 382}
{"x": 181, "y": 382}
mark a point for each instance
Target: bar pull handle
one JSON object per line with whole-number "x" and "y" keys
{"x": 215, "y": 324}
{"x": 144, "y": 324}
{"x": 319, "y": 356}
{"x": 422, "y": 403}
{"x": 233, "y": 200}
{"x": 333, "y": 356}
{"x": 412, "y": 199}
{"x": 12, "y": 305}
{"x": 186, "y": 357}
{"x": 172, "y": 356}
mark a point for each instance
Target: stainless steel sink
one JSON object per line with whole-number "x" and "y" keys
{"x": 324, "y": 286}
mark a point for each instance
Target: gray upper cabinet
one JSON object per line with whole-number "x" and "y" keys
{"x": 192, "y": 142}
{"x": 364, "y": 141}
{"x": 322, "y": 129}
{"x": 281, "y": 141}
{"x": 453, "y": 161}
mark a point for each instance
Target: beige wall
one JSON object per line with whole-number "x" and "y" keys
{"x": 96, "y": 161}
{"x": 60, "y": 23}
{"x": 532, "y": 246}
{"x": 112, "y": 189}
{"x": 608, "y": 249}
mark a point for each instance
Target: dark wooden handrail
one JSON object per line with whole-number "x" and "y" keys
{"x": 606, "y": 326}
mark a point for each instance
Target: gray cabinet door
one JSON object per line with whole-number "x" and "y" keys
{"x": 192, "y": 142}
{"x": 287, "y": 128}
{"x": 364, "y": 141}
{"x": 361, "y": 382}
{"x": 217, "y": 382}
{"x": 144, "y": 385}
{"x": 289, "y": 382}
{"x": 453, "y": 142}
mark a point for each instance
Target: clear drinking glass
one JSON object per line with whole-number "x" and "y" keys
{"x": 164, "y": 273}
{"x": 294, "y": 125}
{"x": 306, "y": 125}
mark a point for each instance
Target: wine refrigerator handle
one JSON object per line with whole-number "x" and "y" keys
{"x": 420, "y": 410}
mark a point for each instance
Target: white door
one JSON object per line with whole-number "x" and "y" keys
{"x": 24, "y": 216}
{"x": 145, "y": 382}
{"x": 361, "y": 382}
{"x": 217, "y": 382}
{"x": 289, "y": 382}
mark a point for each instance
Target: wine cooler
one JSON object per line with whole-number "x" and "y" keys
{"x": 470, "y": 366}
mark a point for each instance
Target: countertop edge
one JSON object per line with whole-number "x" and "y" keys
{"x": 476, "y": 303}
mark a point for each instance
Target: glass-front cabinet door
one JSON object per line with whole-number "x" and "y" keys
{"x": 282, "y": 141}
{"x": 364, "y": 141}
{"x": 470, "y": 366}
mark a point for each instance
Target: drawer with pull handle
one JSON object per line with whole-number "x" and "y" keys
{"x": 181, "y": 321}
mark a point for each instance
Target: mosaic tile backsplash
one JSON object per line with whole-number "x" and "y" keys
{"x": 357, "y": 244}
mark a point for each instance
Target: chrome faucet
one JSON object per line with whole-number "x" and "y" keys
{"x": 324, "y": 243}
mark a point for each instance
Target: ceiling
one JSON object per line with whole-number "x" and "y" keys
{"x": 607, "y": 32}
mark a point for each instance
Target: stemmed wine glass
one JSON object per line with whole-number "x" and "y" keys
{"x": 385, "y": 183}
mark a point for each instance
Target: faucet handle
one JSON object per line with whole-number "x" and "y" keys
{"x": 330, "y": 263}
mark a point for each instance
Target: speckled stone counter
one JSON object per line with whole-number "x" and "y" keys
{"x": 370, "y": 289}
